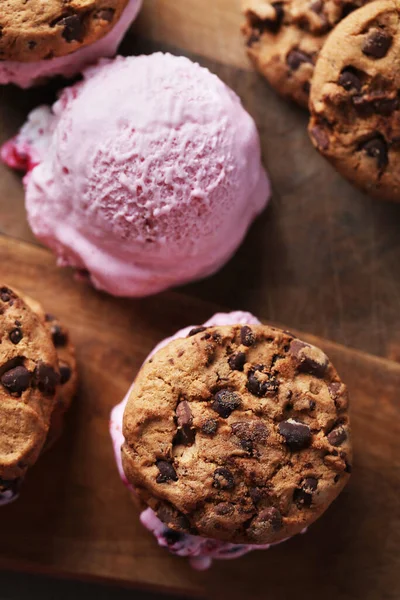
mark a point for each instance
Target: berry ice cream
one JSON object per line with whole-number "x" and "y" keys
{"x": 146, "y": 175}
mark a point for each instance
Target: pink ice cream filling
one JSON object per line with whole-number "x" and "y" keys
{"x": 199, "y": 550}
{"x": 26, "y": 74}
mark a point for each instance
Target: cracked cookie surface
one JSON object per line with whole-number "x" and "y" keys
{"x": 37, "y": 30}
{"x": 238, "y": 433}
{"x": 355, "y": 99}
{"x": 284, "y": 39}
{"x": 29, "y": 384}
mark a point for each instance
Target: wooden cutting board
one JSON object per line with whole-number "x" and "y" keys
{"x": 323, "y": 258}
{"x": 75, "y": 517}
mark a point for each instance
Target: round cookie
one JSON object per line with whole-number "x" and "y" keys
{"x": 36, "y": 30}
{"x": 284, "y": 39}
{"x": 67, "y": 366}
{"x": 354, "y": 103}
{"x": 237, "y": 433}
{"x": 29, "y": 384}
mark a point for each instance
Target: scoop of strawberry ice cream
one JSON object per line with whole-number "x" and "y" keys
{"x": 146, "y": 175}
{"x": 200, "y": 551}
{"x": 26, "y": 74}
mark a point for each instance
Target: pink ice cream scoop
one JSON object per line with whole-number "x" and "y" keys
{"x": 145, "y": 175}
{"x": 200, "y": 551}
{"x": 26, "y": 74}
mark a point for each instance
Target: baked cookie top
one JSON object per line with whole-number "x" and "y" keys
{"x": 284, "y": 39}
{"x": 238, "y": 433}
{"x": 354, "y": 103}
{"x": 37, "y": 30}
{"x": 29, "y": 383}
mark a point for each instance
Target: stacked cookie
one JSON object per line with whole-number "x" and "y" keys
{"x": 347, "y": 78}
{"x": 37, "y": 383}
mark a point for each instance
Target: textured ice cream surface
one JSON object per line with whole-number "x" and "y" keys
{"x": 150, "y": 184}
{"x": 30, "y": 73}
{"x": 200, "y": 551}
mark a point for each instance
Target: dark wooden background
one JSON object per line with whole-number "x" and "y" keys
{"x": 323, "y": 258}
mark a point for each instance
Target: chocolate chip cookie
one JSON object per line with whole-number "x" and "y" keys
{"x": 29, "y": 384}
{"x": 238, "y": 433}
{"x": 66, "y": 363}
{"x": 284, "y": 39}
{"x": 36, "y": 30}
{"x": 354, "y": 103}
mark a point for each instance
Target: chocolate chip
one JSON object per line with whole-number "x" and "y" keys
{"x": 73, "y": 28}
{"x": 186, "y": 435}
{"x": 16, "y": 380}
{"x": 224, "y": 509}
{"x": 337, "y": 436}
{"x": 46, "y": 379}
{"x": 169, "y": 515}
{"x": 297, "y": 435}
{"x": 377, "y": 148}
{"x": 309, "y": 359}
{"x": 167, "y": 472}
{"x": 223, "y": 479}
{"x": 237, "y": 361}
{"x": 32, "y": 44}
{"x": 349, "y": 79}
{"x": 259, "y": 387}
{"x": 184, "y": 414}
{"x": 385, "y": 106}
{"x": 247, "y": 336}
{"x": 172, "y": 537}
{"x": 59, "y": 336}
{"x": 225, "y": 402}
{"x": 5, "y": 294}
{"x": 376, "y": 44}
{"x": 249, "y": 433}
{"x": 48, "y": 317}
{"x": 303, "y": 496}
{"x": 272, "y": 516}
{"x": 297, "y": 57}
{"x": 272, "y": 25}
{"x": 320, "y": 137}
{"x": 209, "y": 427}
{"x": 105, "y": 14}
{"x": 65, "y": 373}
{"x": 196, "y": 330}
{"x": 16, "y": 335}
{"x": 347, "y": 9}
{"x": 253, "y": 39}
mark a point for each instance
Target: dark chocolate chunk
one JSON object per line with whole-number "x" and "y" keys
{"x": 297, "y": 435}
{"x": 196, "y": 330}
{"x": 5, "y": 294}
{"x": 167, "y": 472}
{"x": 337, "y": 436}
{"x": 247, "y": 336}
{"x": 310, "y": 359}
{"x": 209, "y": 427}
{"x": 184, "y": 414}
{"x": 16, "y": 335}
{"x": 105, "y": 14}
{"x": 297, "y": 57}
{"x": 349, "y": 80}
{"x": 225, "y": 402}
{"x": 260, "y": 387}
{"x": 46, "y": 379}
{"x": 320, "y": 137}
{"x": 237, "y": 361}
{"x": 302, "y": 496}
{"x": 377, "y": 43}
{"x": 260, "y": 25}
{"x": 16, "y": 380}
{"x": 223, "y": 479}
{"x": 59, "y": 336}
{"x": 73, "y": 28}
{"x": 172, "y": 537}
{"x": 249, "y": 433}
{"x": 272, "y": 516}
{"x": 65, "y": 373}
{"x": 377, "y": 148}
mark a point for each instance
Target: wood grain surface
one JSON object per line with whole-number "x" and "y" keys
{"x": 76, "y": 518}
{"x": 323, "y": 258}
